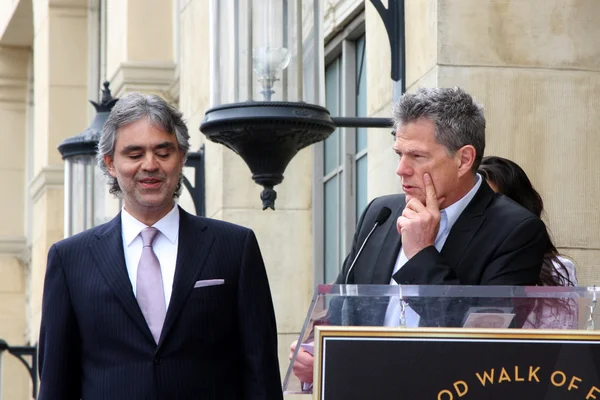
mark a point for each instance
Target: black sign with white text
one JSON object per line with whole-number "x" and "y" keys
{"x": 453, "y": 364}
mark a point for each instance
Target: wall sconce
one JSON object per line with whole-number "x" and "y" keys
{"x": 267, "y": 83}
{"x": 84, "y": 185}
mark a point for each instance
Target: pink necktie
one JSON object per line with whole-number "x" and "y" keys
{"x": 150, "y": 292}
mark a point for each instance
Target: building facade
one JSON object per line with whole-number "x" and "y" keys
{"x": 534, "y": 65}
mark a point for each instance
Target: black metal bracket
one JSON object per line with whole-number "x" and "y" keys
{"x": 20, "y": 352}
{"x": 393, "y": 19}
{"x": 362, "y": 122}
{"x": 196, "y": 160}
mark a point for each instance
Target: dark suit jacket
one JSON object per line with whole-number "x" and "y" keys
{"x": 495, "y": 241}
{"x": 218, "y": 342}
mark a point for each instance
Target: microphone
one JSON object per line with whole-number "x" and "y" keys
{"x": 383, "y": 215}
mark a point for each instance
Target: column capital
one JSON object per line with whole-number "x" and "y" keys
{"x": 150, "y": 77}
{"x": 48, "y": 177}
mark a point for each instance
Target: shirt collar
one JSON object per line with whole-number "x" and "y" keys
{"x": 453, "y": 211}
{"x": 167, "y": 225}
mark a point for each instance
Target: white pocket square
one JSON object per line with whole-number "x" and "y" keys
{"x": 209, "y": 282}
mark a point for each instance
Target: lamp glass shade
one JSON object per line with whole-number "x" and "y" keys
{"x": 84, "y": 189}
{"x": 266, "y": 50}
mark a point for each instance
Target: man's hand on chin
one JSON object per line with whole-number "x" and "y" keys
{"x": 419, "y": 223}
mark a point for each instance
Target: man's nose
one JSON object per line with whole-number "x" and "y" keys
{"x": 150, "y": 162}
{"x": 403, "y": 168}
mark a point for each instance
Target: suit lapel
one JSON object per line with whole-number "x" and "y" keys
{"x": 383, "y": 267}
{"x": 467, "y": 225}
{"x": 195, "y": 243}
{"x": 109, "y": 256}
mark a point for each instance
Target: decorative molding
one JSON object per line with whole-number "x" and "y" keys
{"x": 145, "y": 77}
{"x": 24, "y": 257}
{"x": 69, "y": 10}
{"x": 16, "y": 25}
{"x": 13, "y": 90}
{"x": 15, "y": 83}
{"x": 49, "y": 177}
{"x": 173, "y": 91}
{"x": 338, "y": 13}
{"x": 14, "y": 245}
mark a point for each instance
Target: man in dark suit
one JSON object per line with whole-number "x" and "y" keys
{"x": 494, "y": 241}
{"x": 157, "y": 303}
{"x": 449, "y": 227}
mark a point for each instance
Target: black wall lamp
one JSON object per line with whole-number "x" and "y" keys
{"x": 84, "y": 185}
{"x": 267, "y": 82}
{"x": 195, "y": 160}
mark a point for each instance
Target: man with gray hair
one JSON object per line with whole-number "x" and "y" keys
{"x": 449, "y": 227}
{"x": 157, "y": 303}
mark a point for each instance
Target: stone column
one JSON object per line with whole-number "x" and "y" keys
{"x": 14, "y": 63}
{"x": 60, "y": 111}
{"x": 140, "y": 54}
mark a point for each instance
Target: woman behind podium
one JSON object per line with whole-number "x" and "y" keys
{"x": 508, "y": 178}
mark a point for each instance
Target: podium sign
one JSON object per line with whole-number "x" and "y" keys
{"x": 451, "y": 364}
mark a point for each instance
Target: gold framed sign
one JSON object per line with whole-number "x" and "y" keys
{"x": 451, "y": 364}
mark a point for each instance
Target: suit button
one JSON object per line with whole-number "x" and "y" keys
{"x": 157, "y": 361}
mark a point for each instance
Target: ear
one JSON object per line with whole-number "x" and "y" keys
{"x": 110, "y": 165}
{"x": 465, "y": 157}
{"x": 181, "y": 158}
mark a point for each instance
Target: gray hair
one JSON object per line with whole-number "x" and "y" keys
{"x": 458, "y": 118}
{"x": 131, "y": 108}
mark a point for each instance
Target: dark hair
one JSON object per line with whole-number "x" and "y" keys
{"x": 458, "y": 118}
{"x": 513, "y": 182}
{"x": 131, "y": 108}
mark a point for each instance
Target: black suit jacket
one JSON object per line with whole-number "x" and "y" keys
{"x": 495, "y": 241}
{"x": 218, "y": 342}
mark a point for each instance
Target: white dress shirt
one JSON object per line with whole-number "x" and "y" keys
{"x": 448, "y": 217}
{"x": 164, "y": 246}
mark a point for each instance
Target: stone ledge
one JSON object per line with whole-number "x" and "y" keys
{"x": 338, "y": 14}
{"x": 13, "y": 245}
{"x": 48, "y": 177}
{"x": 16, "y": 26}
{"x": 17, "y": 247}
{"x": 13, "y": 90}
{"x": 144, "y": 77}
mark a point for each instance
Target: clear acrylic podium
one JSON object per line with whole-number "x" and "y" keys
{"x": 493, "y": 308}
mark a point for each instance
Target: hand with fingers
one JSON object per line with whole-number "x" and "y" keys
{"x": 419, "y": 223}
{"x": 303, "y": 366}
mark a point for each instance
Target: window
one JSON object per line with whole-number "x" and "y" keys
{"x": 340, "y": 191}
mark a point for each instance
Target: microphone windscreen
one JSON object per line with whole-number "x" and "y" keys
{"x": 383, "y": 215}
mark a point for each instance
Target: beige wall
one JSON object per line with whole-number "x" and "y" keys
{"x": 15, "y": 379}
{"x": 139, "y": 52}
{"x": 16, "y": 23}
{"x": 60, "y": 98}
{"x": 7, "y": 8}
{"x": 13, "y": 271}
{"x": 536, "y": 71}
